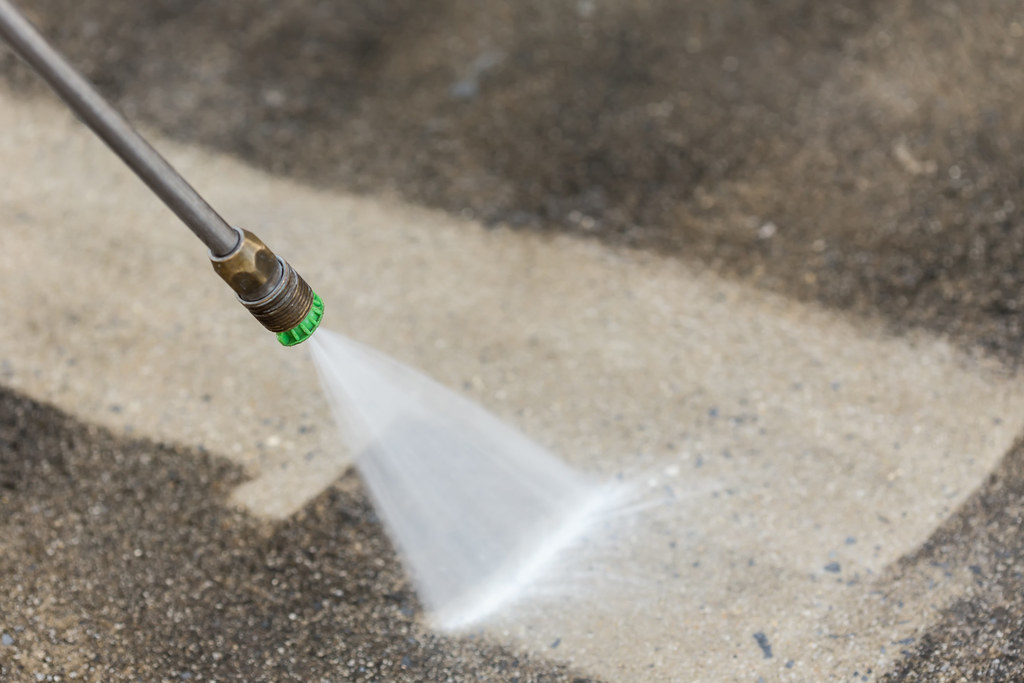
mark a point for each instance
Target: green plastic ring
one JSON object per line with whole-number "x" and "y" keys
{"x": 307, "y": 327}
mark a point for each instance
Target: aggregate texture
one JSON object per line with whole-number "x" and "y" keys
{"x": 862, "y": 155}
{"x": 122, "y": 561}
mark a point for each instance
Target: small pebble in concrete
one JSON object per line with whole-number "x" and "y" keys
{"x": 833, "y": 567}
{"x": 762, "y": 642}
{"x": 7, "y": 639}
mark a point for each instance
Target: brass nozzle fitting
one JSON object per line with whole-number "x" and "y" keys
{"x": 265, "y": 284}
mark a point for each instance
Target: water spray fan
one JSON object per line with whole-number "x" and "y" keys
{"x": 264, "y": 283}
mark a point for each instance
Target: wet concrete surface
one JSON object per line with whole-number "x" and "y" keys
{"x": 861, "y": 155}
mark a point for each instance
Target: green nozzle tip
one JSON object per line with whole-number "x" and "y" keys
{"x": 307, "y": 327}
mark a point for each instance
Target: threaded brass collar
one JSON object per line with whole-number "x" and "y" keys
{"x": 265, "y": 284}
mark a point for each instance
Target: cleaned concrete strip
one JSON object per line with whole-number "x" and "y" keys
{"x": 803, "y": 452}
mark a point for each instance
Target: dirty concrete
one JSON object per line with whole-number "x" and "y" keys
{"x": 123, "y": 561}
{"x": 859, "y": 155}
{"x": 625, "y": 364}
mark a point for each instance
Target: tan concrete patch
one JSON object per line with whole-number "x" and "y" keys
{"x": 780, "y": 430}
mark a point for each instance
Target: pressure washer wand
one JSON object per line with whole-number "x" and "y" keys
{"x": 265, "y": 284}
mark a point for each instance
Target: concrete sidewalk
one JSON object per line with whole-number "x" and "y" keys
{"x": 793, "y": 455}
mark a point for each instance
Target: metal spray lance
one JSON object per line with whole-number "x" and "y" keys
{"x": 265, "y": 284}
